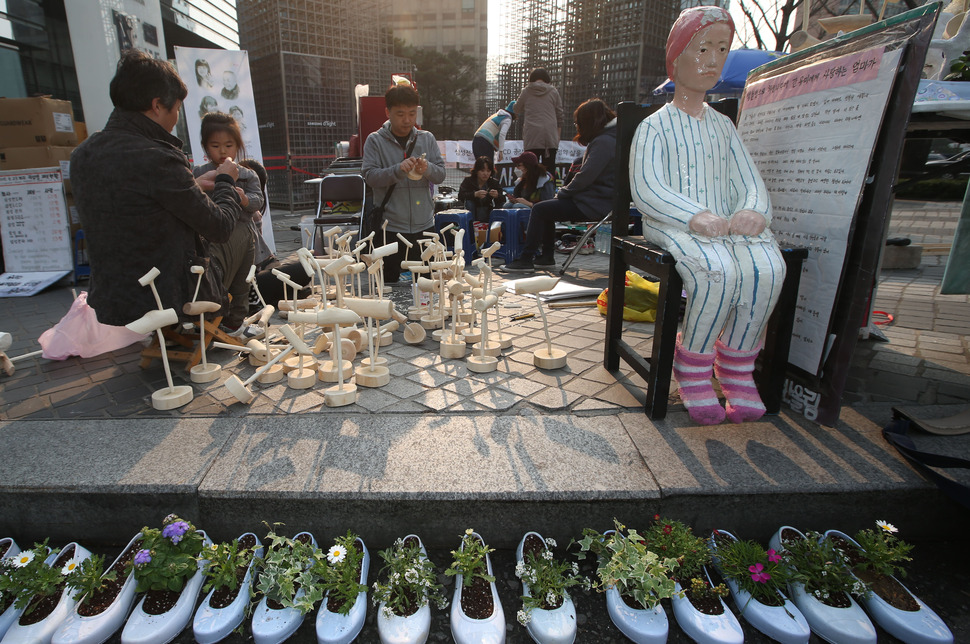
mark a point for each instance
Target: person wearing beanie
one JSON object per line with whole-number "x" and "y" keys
{"x": 704, "y": 202}
{"x": 490, "y": 135}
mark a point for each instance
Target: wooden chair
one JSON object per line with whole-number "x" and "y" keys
{"x": 191, "y": 349}
{"x": 626, "y": 251}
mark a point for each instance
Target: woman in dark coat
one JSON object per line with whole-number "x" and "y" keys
{"x": 587, "y": 197}
{"x": 480, "y": 191}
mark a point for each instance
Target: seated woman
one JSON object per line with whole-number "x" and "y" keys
{"x": 535, "y": 183}
{"x": 589, "y": 194}
{"x": 480, "y": 191}
{"x": 703, "y": 201}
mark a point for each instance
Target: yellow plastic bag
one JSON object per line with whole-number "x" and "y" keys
{"x": 640, "y": 299}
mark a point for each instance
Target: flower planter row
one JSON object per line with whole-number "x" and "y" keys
{"x": 792, "y": 621}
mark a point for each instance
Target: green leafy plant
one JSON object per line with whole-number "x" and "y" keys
{"x": 410, "y": 582}
{"x": 225, "y": 561}
{"x": 885, "y": 554}
{"x": 340, "y": 573}
{"x": 548, "y": 578}
{"x": 89, "y": 577}
{"x": 815, "y": 563}
{"x": 286, "y": 568}
{"x": 675, "y": 539}
{"x": 624, "y": 561}
{"x": 960, "y": 69}
{"x": 469, "y": 560}
{"x": 168, "y": 557}
{"x": 27, "y": 575}
{"x": 762, "y": 574}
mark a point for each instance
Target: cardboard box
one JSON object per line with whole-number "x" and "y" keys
{"x": 82, "y": 131}
{"x": 36, "y": 121}
{"x": 39, "y": 157}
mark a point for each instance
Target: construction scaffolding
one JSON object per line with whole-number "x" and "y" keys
{"x": 306, "y": 57}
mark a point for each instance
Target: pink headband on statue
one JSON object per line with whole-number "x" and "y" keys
{"x": 686, "y": 27}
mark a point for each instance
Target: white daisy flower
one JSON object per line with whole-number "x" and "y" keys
{"x": 888, "y": 527}
{"x": 336, "y": 554}
{"x": 23, "y": 558}
{"x": 70, "y": 566}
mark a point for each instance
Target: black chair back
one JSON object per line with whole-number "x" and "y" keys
{"x": 628, "y": 117}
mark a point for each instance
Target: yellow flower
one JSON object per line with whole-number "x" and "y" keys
{"x": 888, "y": 527}
{"x": 469, "y": 531}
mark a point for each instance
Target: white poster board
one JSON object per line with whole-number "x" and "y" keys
{"x": 811, "y": 132}
{"x": 34, "y": 221}
{"x": 219, "y": 80}
{"x": 27, "y": 284}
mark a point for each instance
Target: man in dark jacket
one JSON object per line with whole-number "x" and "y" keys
{"x": 138, "y": 203}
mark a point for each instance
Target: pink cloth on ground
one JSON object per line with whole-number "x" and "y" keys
{"x": 80, "y": 334}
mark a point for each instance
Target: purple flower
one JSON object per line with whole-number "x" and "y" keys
{"x": 175, "y": 530}
{"x": 142, "y": 557}
{"x": 756, "y": 573}
{"x": 773, "y": 556}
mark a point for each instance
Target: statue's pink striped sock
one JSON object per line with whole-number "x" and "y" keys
{"x": 693, "y": 374}
{"x": 733, "y": 369}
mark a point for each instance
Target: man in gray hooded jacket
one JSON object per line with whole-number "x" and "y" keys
{"x": 387, "y": 165}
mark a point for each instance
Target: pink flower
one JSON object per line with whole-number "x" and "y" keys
{"x": 756, "y": 573}
{"x": 773, "y": 556}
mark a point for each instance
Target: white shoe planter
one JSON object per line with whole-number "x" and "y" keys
{"x": 334, "y": 628}
{"x": 555, "y": 626}
{"x": 144, "y": 628}
{"x": 413, "y": 629}
{"x": 785, "y": 623}
{"x": 213, "y": 624}
{"x": 922, "y": 626}
{"x": 704, "y": 628}
{"x": 466, "y": 630}
{"x": 42, "y": 631}
{"x": 642, "y": 625}
{"x": 96, "y": 629}
{"x": 831, "y": 623}
{"x": 10, "y": 615}
{"x": 275, "y": 625}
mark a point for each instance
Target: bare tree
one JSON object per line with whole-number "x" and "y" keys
{"x": 769, "y": 24}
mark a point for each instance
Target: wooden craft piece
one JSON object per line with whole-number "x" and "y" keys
{"x": 202, "y": 372}
{"x": 172, "y": 396}
{"x": 6, "y": 362}
{"x": 481, "y": 362}
{"x": 240, "y": 389}
{"x": 547, "y": 357}
{"x": 251, "y": 280}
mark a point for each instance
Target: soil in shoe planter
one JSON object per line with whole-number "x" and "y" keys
{"x": 99, "y": 601}
{"x": 708, "y": 605}
{"x": 884, "y": 586}
{"x": 835, "y": 599}
{"x": 40, "y": 607}
{"x": 222, "y": 597}
{"x": 534, "y": 545}
{"x": 476, "y": 599}
{"x": 7, "y": 600}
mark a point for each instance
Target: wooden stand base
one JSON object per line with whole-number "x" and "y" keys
{"x": 340, "y": 395}
{"x": 172, "y": 397}
{"x": 414, "y": 333}
{"x": 481, "y": 365}
{"x": 380, "y": 362}
{"x": 256, "y": 362}
{"x": 504, "y": 341}
{"x": 348, "y": 350}
{"x": 301, "y": 378}
{"x": 429, "y": 322}
{"x": 372, "y": 376}
{"x": 466, "y": 317}
{"x": 386, "y": 338}
{"x": 202, "y": 373}
{"x": 417, "y": 312}
{"x": 356, "y": 336}
{"x": 492, "y": 348}
{"x": 294, "y": 363}
{"x": 452, "y": 350}
{"x": 238, "y": 389}
{"x": 545, "y": 359}
{"x": 472, "y": 335}
{"x": 274, "y": 374}
{"x": 327, "y": 371}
